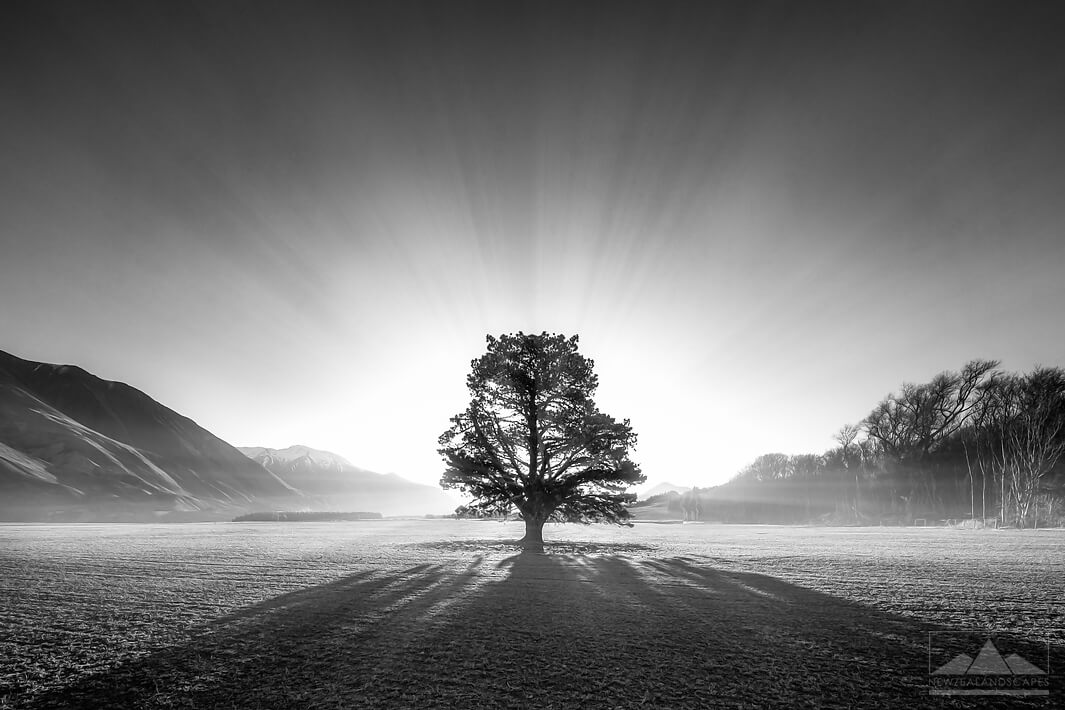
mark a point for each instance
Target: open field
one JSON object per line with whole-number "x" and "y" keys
{"x": 445, "y": 614}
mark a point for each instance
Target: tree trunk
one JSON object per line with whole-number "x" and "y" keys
{"x": 1002, "y": 498}
{"x": 972, "y": 483}
{"x": 534, "y": 535}
{"x": 983, "y": 495}
{"x": 857, "y": 497}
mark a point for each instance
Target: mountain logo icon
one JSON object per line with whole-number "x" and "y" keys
{"x": 988, "y": 662}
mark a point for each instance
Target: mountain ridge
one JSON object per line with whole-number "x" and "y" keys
{"x": 76, "y": 444}
{"x": 661, "y": 488}
{"x": 339, "y": 485}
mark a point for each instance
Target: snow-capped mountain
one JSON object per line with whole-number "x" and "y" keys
{"x": 295, "y": 457}
{"x": 336, "y": 484}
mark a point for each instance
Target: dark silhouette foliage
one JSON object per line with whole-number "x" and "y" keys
{"x": 533, "y": 440}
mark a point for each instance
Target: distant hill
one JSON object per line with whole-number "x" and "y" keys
{"x": 76, "y": 446}
{"x": 304, "y": 517}
{"x": 663, "y": 488}
{"x": 336, "y": 484}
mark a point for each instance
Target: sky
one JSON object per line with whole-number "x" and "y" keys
{"x": 297, "y": 222}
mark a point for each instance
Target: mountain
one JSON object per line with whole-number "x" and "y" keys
{"x": 335, "y": 484}
{"x": 87, "y": 448}
{"x": 77, "y": 447}
{"x": 312, "y": 467}
{"x": 663, "y": 488}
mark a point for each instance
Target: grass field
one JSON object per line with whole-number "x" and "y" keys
{"x": 445, "y": 614}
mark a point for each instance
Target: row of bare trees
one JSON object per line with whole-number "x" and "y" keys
{"x": 1017, "y": 440}
{"x": 976, "y": 443}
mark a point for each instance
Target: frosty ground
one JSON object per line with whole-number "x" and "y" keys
{"x": 446, "y": 614}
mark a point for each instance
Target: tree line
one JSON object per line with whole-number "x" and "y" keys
{"x": 978, "y": 443}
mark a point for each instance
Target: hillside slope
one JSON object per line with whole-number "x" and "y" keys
{"x": 88, "y": 448}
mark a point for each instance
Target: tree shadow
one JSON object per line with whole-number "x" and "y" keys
{"x": 551, "y": 547}
{"x": 536, "y": 630}
{"x": 291, "y": 650}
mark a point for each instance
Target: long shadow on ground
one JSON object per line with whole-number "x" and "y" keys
{"x": 538, "y": 631}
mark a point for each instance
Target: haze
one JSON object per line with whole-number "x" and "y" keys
{"x": 297, "y": 226}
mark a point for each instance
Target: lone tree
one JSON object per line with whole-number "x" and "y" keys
{"x": 532, "y": 439}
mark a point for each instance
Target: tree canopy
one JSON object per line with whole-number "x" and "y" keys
{"x": 533, "y": 440}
